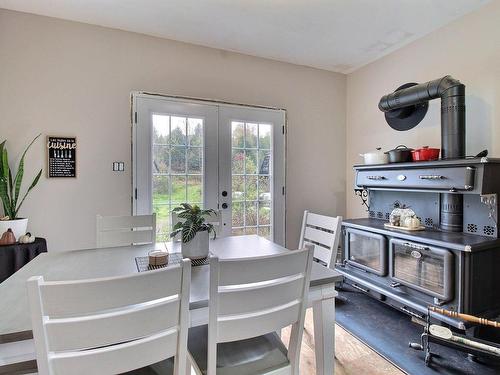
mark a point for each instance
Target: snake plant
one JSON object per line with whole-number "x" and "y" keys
{"x": 193, "y": 221}
{"x": 10, "y": 186}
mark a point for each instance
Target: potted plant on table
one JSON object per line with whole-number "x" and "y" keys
{"x": 194, "y": 230}
{"x": 10, "y": 188}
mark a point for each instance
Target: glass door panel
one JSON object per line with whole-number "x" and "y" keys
{"x": 181, "y": 164}
{"x": 251, "y": 176}
{"x": 251, "y": 171}
{"x": 177, "y": 166}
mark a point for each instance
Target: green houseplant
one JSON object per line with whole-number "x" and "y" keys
{"x": 10, "y": 191}
{"x": 194, "y": 230}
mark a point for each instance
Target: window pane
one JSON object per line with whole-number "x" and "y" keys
{"x": 238, "y": 231}
{"x": 238, "y": 188}
{"x": 161, "y": 189}
{"x": 265, "y": 232}
{"x": 251, "y": 188}
{"x": 178, "y": 160}
{"x": 195, "y": 131}
{"x": 162, "y": 219}
{"x": 251, "y": 162}
{"x": 238, "y": 162}
{"x": 264, "y": 188}
{"x": 250, "y": 213}
{"x": 195, "y": 160}
{"x": 178, "y": 131}
{"x": 160, "y": 129}
{"x": 163, "y": 237}
{"x": 264, "y": 213}
{"x": 237, "y": 214}
{"x": 178, "y": 189}
{"x": 265, "y": 136}
{"x": 161, "y": 159}
{"x": 251, "y": 135}
{"x": 238, "y": 134}
{"x": 251, "y": 230}
{"x": 195, "y": 188}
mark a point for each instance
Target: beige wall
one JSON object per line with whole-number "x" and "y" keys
{"x": 66, "y": 78}
{"x": 469, "y": 50}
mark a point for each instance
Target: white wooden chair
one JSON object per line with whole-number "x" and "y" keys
{"x": 113, "y": 231}
{"x": 112, "y": 325}
{"x": 216, "y": 220}
{"x": 251, "y": 299}
{"x": 324, "y": 233}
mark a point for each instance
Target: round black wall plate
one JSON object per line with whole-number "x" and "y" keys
{"x": 406, "y": 118}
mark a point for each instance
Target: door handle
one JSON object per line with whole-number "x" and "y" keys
{"x": 224, "y": 205}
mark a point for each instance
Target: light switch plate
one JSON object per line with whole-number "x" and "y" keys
{"x": 118, "y": 166}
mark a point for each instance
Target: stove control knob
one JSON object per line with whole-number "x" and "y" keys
{"x": 401, "y": 177}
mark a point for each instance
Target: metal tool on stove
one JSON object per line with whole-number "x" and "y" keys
{"x": 445, "y": 336}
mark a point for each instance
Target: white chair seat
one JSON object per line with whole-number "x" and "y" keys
{"x": 165, "y": 367}
{"x": 257, "y": 355}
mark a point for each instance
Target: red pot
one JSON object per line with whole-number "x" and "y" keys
{"x": 425, "y": 154}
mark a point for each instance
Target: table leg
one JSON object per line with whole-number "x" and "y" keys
{"x": 324, "y": 335}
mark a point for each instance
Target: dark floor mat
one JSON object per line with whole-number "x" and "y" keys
{"x": 388, "y": 331}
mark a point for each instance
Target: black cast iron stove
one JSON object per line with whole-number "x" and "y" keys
{"x": 455, "y": 262}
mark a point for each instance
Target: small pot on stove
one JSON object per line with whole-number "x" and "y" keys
{"x": 400, "y": 154}
{"x": 425, "y": 153}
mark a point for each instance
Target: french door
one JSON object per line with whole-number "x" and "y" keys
{"x": 226, "y": 157}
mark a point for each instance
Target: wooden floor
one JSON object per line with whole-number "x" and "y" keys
{"x": 352, "y": 357}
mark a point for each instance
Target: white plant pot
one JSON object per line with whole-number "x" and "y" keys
{"x": 197, "y": 248}
{"x": 18, "y": 226}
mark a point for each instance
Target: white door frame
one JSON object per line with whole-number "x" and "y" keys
{"x": 142, "y": 178}
{"x": 279, "y": 188}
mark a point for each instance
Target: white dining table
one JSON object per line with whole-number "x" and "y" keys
{"x": 15, "y": 318}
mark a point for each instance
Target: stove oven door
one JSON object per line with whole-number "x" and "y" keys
{"x": 424, "y": 268}
{"x": 366, "y": 250}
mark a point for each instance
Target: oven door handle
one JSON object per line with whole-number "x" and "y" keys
{"x": 415, "y": 246}
{"x": 431, "y": 177}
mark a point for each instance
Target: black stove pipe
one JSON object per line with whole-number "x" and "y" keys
{"x": 452, "y": 94}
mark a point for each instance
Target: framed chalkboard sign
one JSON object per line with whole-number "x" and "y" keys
{"x": 61, "y": 156}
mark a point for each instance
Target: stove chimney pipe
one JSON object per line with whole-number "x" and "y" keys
{"x": 452, "y": 94}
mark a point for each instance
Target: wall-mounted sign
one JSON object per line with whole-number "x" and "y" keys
{"x": 61, "y": 156}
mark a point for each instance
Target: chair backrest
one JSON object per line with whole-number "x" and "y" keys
{"x": 113, "y": 231}
{"x": 250, "y": 297}
{"x": 216, "y": 220}
{"x": 323, "y": 232}
{"x": 111, "y": 325}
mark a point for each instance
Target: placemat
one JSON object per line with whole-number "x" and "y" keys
{"x": 174, "y": 258}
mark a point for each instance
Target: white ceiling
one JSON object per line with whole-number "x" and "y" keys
{"x": 336, "y": 35}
